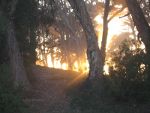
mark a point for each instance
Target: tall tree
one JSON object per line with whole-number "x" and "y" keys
{"x": 25, "y": 21}
{"x": 140, "y": 22}
{"x": 93, "y": 52}
{"x": 105, "y": 29}
{"x": 141, "y": 25}
{"x": 17, "y": 68}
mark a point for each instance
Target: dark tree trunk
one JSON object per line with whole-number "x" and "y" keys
{"x": 16, "y": 61}
{"x": 141, "y": 25}
{"x": 33, "y": 45}
{"x": 140, "y": 22}
{"x": 93, "y": 51}
{"x": 105, "y": 30}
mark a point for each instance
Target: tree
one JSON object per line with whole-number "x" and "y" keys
{"x": 26, "y": 22}
{"x": 17, "y": 68}
{"x": 141, "y": 25}
{"x": 145, "y": 6}
{"x": 73, "y": 36}
{"x": 109, "y": 13}
{"x": 140, "y": 22}
{"x": 93, "y": 52}
{"x": 105, "y": 30}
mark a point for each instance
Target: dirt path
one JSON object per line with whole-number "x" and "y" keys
{"x": 48, "y": 94}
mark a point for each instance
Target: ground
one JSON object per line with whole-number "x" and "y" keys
{"x": 49, "y": 94}
{"x": 49, "y": 90}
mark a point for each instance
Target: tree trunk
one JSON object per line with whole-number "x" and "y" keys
{"x": 140, "y": 22}
{"x": 93, "y": 51}
{"x": 105, "y": 30}
{"x": 16, "y": 61}
{"x": 141, "y": 25}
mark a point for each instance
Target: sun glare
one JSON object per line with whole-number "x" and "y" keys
{"x": 115, "y": 27}
{"x": 57, "y": 63}
{"x": 106, "y": 69}
{"x": 98, "y": 19}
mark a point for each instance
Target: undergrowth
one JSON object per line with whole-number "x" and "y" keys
{"x": 125, "y": 90}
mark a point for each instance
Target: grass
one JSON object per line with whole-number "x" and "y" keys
{"x": 89, "y": 98}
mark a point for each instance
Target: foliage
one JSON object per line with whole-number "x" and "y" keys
{"x": 129, "y": 72}
{"x": 10, "y": 99}
{"x": 31, "y": 17}
{"x": 126, "y": 87}
{"x": 28, "y": 16}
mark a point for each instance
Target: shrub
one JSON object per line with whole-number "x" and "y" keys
{"x": 126, "y": 86}
{"x": 129, "y": 72}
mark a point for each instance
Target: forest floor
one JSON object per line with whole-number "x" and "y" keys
{"x": 49, "y": 94}
{"x": 49, "y": 90}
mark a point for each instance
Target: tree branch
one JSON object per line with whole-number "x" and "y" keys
{"x": 116, "y": 13}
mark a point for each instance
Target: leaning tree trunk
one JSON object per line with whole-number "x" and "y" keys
{"x": 141, "y": 25}
{"x": 140, "y": 22}
{"x": 16, "y": 61}
{"x": 105, "y": 30}
{"x": 93, "y": 51}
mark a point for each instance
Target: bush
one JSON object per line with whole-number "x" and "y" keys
{"x": 129, "y": 73}
{"x": 125, "y": 88}
{"x": 10, "y": 98}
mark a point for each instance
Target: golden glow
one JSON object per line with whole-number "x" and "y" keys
{"x": 98, "y": 19}
{"x": 64, "y": 66}
{"x": 75, "y": 66}
{"x": 55, "y": 62}
{"x": 115, "y": 27}
{"x": 142, "y": 46}
{"x": 78, "y": 79}
{"x": 106, "y": 69}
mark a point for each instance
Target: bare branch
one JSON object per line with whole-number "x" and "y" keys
{"x": 116, "y": 13}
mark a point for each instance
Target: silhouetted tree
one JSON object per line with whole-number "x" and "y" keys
{"x": 93, "y": 52}
{"x": 140, "y": 22}
{"x": 105, "y": 29}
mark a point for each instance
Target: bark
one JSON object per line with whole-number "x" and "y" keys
{"x": 33, "y": 45}
{"x": 105, "y": 30}
{"x": 16, "y": 61}
{"x": 140, "y": 22}
{"x": 116, "y": 13}
{"x": 141, "y": 25}
{"x": 93, "y": 51}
